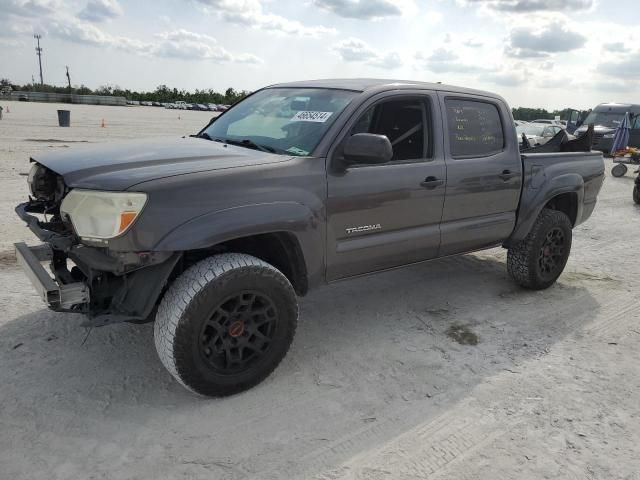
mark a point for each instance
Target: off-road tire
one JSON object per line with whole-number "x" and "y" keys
{"x": 636, "y": 195}
{"x": 192, "y": 300}
{"x": 523, "y": 259}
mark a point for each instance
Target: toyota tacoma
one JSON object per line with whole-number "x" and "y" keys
{"x": 213, "y": 236}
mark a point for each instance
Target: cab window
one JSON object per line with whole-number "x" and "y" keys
{"x": 475, "y": 128}
{"x": 403, "y": 122}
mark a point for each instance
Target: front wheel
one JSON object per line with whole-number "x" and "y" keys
{"x": 225, "y": 324}
{"x": 537, "y": 261}
{"x": 636, "y": 195}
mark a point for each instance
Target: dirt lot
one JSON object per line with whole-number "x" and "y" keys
{"x": 442, "y": 370}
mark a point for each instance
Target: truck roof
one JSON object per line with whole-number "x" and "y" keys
{"x": 379, "y": 84}
{"x": 617, "y": 107}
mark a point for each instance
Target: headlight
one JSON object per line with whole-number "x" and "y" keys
{"x": 102, "y": 215}
{"x": 609, "y": 135}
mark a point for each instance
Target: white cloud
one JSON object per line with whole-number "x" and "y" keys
{"x": 616, "y": 47}
{"x": 388, "y": 61}
{"x": 527, "y": 42}
{"x": 355, "y": 50}
{"x": 175, "y": 43}
{"x": 101, "y": 10}
{"x": 473, "y": 43}
{"x": 528, "y": 6}
{"x": 187, "y": 45}
{"x": 627, "y": 67}
{"x": 505, "y": 78}
{"x": 443, "y": 60}
{"x": 616, "y": 86}
{"x": 367, "y": 9}
{"x": 251, "y": 13}
{"x": 31, "y": 8}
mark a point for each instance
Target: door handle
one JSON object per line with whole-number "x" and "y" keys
{"x": 507, "y": 174}
{"x": 431, "y": 182}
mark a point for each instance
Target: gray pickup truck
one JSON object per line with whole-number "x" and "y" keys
{"x": 213, "y": 236}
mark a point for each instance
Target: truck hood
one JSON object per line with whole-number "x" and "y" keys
{"x": 121, "y": 165}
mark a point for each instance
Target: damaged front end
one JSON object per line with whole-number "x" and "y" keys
{"x": 87, "y": 277}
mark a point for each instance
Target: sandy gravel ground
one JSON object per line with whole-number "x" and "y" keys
{"x": 375, "y": 386}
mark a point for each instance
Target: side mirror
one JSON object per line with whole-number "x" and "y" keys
{"x": 367, "y": 149}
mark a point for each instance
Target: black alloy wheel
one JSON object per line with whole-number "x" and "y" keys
{"x": 239, "y": 332}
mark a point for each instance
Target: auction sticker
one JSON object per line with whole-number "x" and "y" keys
{"x": 312, "y": 116}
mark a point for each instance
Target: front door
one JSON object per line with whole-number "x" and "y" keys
{"x": 385, "y": 215}
{"x": 484, "y": 173}
{"x": 573, "y": 120}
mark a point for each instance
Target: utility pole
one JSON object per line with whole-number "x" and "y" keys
{"x": 39, "y": 53}
{"x": 68, "y": 78}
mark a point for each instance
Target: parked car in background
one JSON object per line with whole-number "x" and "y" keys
{"x": 23, "y": 97}
{"x": 547, "y": 121}
{"x": 606, "y": 118}
{"x": 223, "y": 108}
{"x": 537, "y": 133}
{"x": 518, "y": 123}
{"x": 212, "y": 107}
{"x": 180, "y": 104}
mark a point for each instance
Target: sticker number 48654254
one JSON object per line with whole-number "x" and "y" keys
{"x": 311, "y": 116}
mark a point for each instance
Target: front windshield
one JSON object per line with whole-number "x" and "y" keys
{"x": 606, "y": 119}
{"x": 530, "y": 129}
{"x": 289, "y": 121}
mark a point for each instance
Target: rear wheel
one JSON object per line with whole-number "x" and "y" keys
{"x": 225, "y": 324}
{"x": 537, "y": 261}
{"x": 619, "y": 170}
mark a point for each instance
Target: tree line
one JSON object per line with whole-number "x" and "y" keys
{"x": 162, "y": 93}
{"x": 529, "y": 114}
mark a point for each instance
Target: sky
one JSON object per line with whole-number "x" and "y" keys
{"x": 536, "y": 53}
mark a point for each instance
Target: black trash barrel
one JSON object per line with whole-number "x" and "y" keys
{"x": 64, "y": 118}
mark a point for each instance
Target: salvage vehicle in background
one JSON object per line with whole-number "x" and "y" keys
{"x": 538, "y": 133}
{"x": 606, "y": 118}
{"x": 214, "y": 236}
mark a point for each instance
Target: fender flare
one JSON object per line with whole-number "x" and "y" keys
{"x": 212, "y": 228}
{"x": 535, "y": 199}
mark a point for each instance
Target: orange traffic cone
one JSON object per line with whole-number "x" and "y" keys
{"x": 178, "y": 117}
{"x": 8, "y": 111}
{"x": 102, "y": 124}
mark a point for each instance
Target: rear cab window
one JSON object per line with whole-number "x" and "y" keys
{"x": 475, "y": 128}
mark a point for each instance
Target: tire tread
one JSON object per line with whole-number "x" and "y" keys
{"x": 183, "y": 292}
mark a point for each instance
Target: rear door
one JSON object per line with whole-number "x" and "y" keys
{"x": 386, "y": 215}
{"x": 484, "y": 173}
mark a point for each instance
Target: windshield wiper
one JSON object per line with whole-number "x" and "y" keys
{"x": 204, "y": 135}
{"x": 248, "y": 143}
